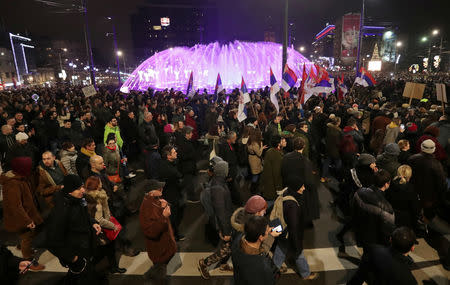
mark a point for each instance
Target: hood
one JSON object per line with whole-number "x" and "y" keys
{"x": 238, "y": 219}
{"x": 97, "y": 194}
{"x": 68, "y": 153}
{"x": 392, "y": 125}
{"x": 330, "y": 125}
{"x": 348, "y": 129}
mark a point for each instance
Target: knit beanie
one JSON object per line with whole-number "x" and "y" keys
{"x": 255, "y": 204}
{"x": 21, "y": 136}
{"x": 221, "y": 169}
{"x": 366, "y": 159}
{"x": 71, "y": 183}
{"x": 294, "y": 182}
{"x": 392, "y": 149}
{"x": 21, "y": 165}
{"x": 428, "y": 146}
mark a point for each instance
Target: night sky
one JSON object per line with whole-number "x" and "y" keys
{"x": 239, "y": 19}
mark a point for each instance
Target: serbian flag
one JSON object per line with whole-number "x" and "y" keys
{"x": 312, "y": 75}
{"x": 274, "y": 89}
{"x": 219, "y": 88}
{"x": 325, "y": 86}
{"x": 322, "y": 74}
{"x": 244, "y": 92}
{"x": 342, "y": 88}
{"x": 301, "y": 90}
{"x": 190, "y": 90}
{"x": 289, "y": 78}
{"x": 243, "y": 99}
{"x": 364, "y": 78}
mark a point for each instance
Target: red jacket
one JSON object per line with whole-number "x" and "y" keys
{"x": 159, "y": 238}
{"x": 191, "y": 123}
{"x": 439, "y": 153}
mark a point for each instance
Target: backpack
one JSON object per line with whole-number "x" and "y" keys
{"x": 277, "y": 211}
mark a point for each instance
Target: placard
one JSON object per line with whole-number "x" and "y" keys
{"x": 441, "y": 93}
{"x": 89, "y": 91}
{"x": 413, "y": 90}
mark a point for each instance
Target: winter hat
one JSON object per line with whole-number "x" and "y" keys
{"x": 255, "y": 204}
{"x": 366, "y": 159}
{"x": 168, "y": 128}
{"x": 154, "y": 184}
{"x": 21, "y": 136}
{"x": 392, "y": 149}
{"x": 428, "y": 146}
{"x": 71, "y": 183}
{"x": 221, "y": 169}
{"x": 21, "y": 165}
{"x": 432, "y": 130}
{"x": 412, "y": 128}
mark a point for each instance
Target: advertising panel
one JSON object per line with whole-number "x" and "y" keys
{"x": 350, "y": 35}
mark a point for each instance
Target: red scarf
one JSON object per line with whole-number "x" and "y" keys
{"x": 111, "y": 148}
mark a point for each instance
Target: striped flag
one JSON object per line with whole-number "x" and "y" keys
{"x": 289, "y": 78}
{"x": 274, "y": 89}
{"x": 190, "y": 88}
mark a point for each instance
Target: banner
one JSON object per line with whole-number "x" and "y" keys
{"x": 413, "y": 90}
{"x": 441, "y": 93}
{"x": 89, "y": 91}
{"x": 350, "y": 35}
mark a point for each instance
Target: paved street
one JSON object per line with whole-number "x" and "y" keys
{"x": 321, "y": 250}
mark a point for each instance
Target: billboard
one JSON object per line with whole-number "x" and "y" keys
{"x": 350, "y": 35}
{"x": 165, "y": 21}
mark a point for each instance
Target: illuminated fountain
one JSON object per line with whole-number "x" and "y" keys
{"x": 252, "y": 60}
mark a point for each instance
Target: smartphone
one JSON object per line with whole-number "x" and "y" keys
{"x": 33, "y": 262}
{"x": 402, "y": 126}
{"x": 277, "y": 229}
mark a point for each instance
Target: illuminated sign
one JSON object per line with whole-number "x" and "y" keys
{"x": 165, "y": 21}
{"x": 374, "y": 65}
{"x": 156, "y": 28}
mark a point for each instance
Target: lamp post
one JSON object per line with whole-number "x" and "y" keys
{"x": 120, "y": 54}
{"x": 285, "y": 34}
{"x": 116, "y": 50}
{"x": 88, "y": 42}
{"x": 361, "y": 25}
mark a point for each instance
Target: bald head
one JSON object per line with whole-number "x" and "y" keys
{"x": 97, "y": 164}
{"x": 7, "y": 130}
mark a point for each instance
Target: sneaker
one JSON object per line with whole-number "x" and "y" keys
{"x": 312, "y": 276}
{"x": 117, "y": 270}
{"x": 38, "y": 267}
{"x": 131, "y": 175}
{"x": 203, "y": 269}
{"x": 180, "y": 238}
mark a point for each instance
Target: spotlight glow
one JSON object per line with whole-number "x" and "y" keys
{"x": 252, "y": 60}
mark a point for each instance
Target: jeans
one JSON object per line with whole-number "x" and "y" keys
{"x": 279, "y": 257}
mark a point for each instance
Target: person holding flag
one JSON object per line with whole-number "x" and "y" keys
{"x": 244, "y": 98}
{"x": 289, "y": 78}
{"x": 342, "y": 88}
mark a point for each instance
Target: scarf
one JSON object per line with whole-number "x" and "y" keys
{"x": 88, "y": 152}
{"x": 112, "y": 148}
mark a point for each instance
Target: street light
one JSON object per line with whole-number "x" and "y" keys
{"x": 116, "y": 49}
{"x": 388, "y": 34}
{"x": 119, "y": 53}
{"x": 435, "y": 32}
{"x": 399, "y": 44}
{"x": 424, "y": 39}
{"x": 302, "y": 49}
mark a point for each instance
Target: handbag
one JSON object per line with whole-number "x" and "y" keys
{"x": 116, "y": 177}
{"x": 112, "y": 234}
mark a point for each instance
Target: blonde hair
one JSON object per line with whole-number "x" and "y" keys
{"x": 404, "y": 172}
{"x": 402, "y": 144}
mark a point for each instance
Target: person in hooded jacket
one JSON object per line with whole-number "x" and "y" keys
{"x": 69, "y": 157}
{"x": 290, "y": 243}
{"x": 223, "y": 209}
{"x": 388, "y": 160}
{"x": 71, "y": 232}
{"x": 20, "y": 211}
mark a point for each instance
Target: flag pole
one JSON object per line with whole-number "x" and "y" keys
{"x": 282, "y": 104}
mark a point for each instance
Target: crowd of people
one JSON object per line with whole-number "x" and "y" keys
{"x": 69, "y": 165}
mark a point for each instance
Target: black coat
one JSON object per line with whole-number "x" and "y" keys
{"x": 251, "y": 269}
{"x": 228, "y": 153}
{"x": 385, "y": 266}
{"x": 373, "y": 217}
{"x": 293, "y": 214}
{"x": 428, "y": 179}
{"x": 295, "y": 163}
{"x": 405, "y": 202}
{"x": 147, "y": 135}
{"x": 129, "y": 130}
{"x": 69, "y": 230}
{"x": 9, "y": 266}
{"x": 187, "y": 157}
{"x": 83, "y": 166}
{"x": 169, "y": 174}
